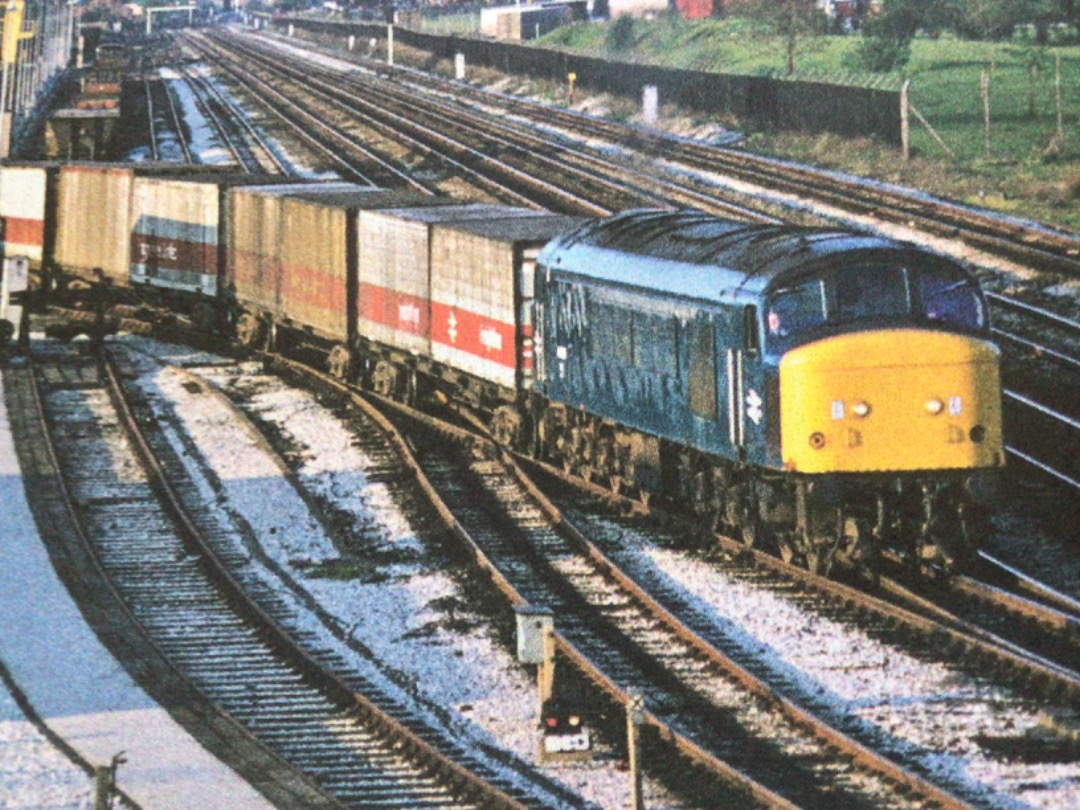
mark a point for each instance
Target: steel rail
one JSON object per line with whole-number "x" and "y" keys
{"x": 77, "y": 524}
{"x": 150, "y": 120}
{"x": 867, "y": 758}
{"x": 332, "y": 139}
{"x": 431, "y": 141}
{"x": 1053, "y": 249}
{"x": 367, "y": 404}
{"x": 976, "y": 639}
{"x": 418, "y": 749}
{"x": 178, "y": 124}
{"x": 1038, "y": 348}
{"x": 247, "y": 160}
{"x": 239, "y": 118}
{"x": 1053, "y": 617}
{"x": 1057, "y": 475}
{"x": 649, "y": 188}
{"x": 1038, "y": 312}
{"x": 1034, "y": 588}
{"x": 1060, "y": 418}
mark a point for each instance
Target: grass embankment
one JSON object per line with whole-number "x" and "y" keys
{"x": 1029, "y": 171}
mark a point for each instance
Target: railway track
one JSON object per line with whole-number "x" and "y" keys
{"x": 221, "y": 630}
{"x": 1024, "y": 242}
{"x": 698, "y": 698}
{"x": 167, "y": 131}
{"x": 1025, "y": 630}
{"x": 1026, "y": 644}
{"x": 249, "y": 148}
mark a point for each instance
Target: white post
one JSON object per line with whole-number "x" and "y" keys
{"x": 650, "y": 104}
{"x": 635, "y": 715}
{"x": 459, "y": 67}
{"x": 352, "y": 41}
{"x": 390, "y": 44}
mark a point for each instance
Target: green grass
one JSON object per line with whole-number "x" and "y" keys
{"x": 1028, "y": 171}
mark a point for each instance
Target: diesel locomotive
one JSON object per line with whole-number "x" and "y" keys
{"x": 834, "y": 392}
{"x": 830, "y": 393}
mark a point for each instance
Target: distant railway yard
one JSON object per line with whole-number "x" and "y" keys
{"x": 330, "y": 558}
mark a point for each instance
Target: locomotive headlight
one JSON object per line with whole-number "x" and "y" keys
{"x": 934, "y": 406}
{"x": 861, "y": 409}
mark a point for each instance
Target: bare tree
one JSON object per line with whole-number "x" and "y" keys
{"x": 791, "y": 20}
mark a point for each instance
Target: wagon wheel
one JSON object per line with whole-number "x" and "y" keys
{"x": 339, "y": 362}
{"x": 249, "y": 330}
{"x": 819, "y": 559}
{"x": 204, "y": 317}
{"x": 788, "y": 552}
{"x": 506, "y": 425}
{"x": 384, "y": 379}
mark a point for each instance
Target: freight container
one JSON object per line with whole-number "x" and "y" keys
{"x": 177, "y": 239}
{"x": 319, "y": 254}
{"x": 394, "y": 284}
{"x": 95, "y": 214}
{"x": 26, "y": 194}
{"x": 94, "y": 219}
{"x": 482, "y": 290}
{"x": 253, "y": 265}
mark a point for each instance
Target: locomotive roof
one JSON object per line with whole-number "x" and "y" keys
{"x": 697, "y": 255}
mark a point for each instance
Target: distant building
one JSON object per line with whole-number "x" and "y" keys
{"x": 531, "y": 20}
{"x": 850, "y": 11}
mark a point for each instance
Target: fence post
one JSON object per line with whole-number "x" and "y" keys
{"x": 1057, "y": 95}
{"x": 984, "y": 83}
{"x": 905, "y": 121}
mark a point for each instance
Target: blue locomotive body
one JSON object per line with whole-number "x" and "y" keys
{"x": 665, "y": 346}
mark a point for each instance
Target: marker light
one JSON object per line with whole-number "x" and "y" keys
{"x": 934, "y": 406}
{"x": 861, "y": 409}
{"x": 817, "y": 440}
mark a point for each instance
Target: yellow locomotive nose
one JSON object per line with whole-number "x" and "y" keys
{"x": 892, "y": 400}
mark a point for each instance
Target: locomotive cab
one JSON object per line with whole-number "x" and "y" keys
{"x": 888, "y": 401}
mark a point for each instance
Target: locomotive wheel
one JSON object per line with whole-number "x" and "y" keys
{"x": 384, "y": 379}
{"x": 249, "y": 330}
{"x": 339, "y": 362}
